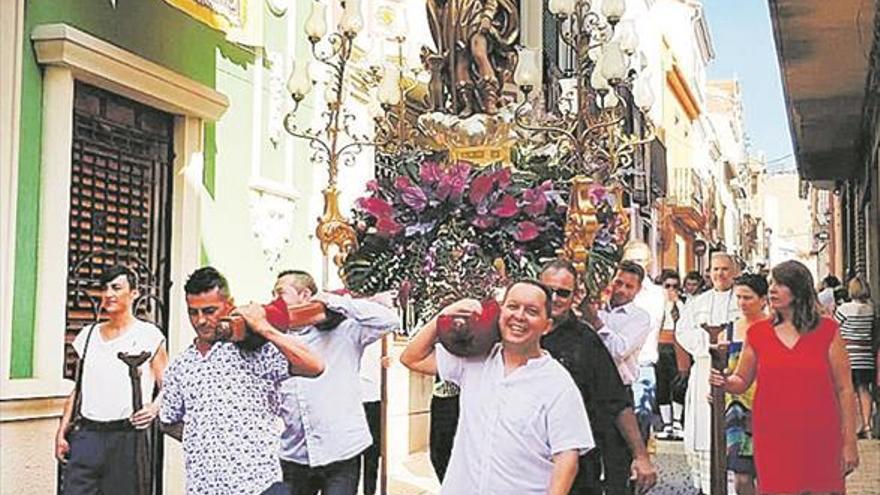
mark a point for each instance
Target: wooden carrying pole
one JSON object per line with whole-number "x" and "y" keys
{"x": 144, "y": 474}
{"x": 718, "y": 458}
{"x": 383, "y": 420}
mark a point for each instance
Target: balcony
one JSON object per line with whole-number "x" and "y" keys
{"x": 686, "y": 198}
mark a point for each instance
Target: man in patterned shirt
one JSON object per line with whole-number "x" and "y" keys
{"x": 221, "y": 400}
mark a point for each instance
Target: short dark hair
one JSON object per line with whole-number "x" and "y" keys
{"x": 302, "y": 278}
{"x": 560, "y": 264}
{"x": 668, "y": 273}
{"x": 758, "y": 283}
{"x": 114, "y": 271}
{"x": 205, "y": 279}
{"x": 831, "y": 281}
{"x": 548, "y": 294}
{"x": 627, "y": 266}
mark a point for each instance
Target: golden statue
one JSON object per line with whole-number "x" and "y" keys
{"x": 475, "y": 53}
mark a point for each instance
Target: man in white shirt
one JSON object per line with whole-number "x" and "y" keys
{"x": 523, "y": 423}
{"x": 716, "y": 306}
{"x": 652, "y": 299}
{"x": 97, "y": 429}
{"x": 622, "y": 325}
{"x": 325, "y": 426}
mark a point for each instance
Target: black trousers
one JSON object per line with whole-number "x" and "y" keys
{"x": 667, "y": 370}
{"x": 101, "y": 462}
{"x": 370, "y": 457}
{"x": 338, "y": 478}
{"x": 616, "y": 462}
{"x": 444, "y": 422}
{"x": 587, "y": 481}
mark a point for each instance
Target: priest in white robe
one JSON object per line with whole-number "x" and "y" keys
{"x": 713, "y": 307}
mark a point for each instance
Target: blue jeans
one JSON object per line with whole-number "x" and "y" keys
{"x": 645, "y": 399}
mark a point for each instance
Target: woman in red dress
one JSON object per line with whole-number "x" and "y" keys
{"x": 803, "y": 412}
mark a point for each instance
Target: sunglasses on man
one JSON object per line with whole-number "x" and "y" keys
{"x": 671, "y": 285}
{"x": 563, "y": 293}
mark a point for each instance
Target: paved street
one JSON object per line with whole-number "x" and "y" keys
{"x": 415, "y": 477}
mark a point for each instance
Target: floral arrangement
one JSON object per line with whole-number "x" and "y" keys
{"x": 444, "y": 232}
{"x": 438, "y": 233}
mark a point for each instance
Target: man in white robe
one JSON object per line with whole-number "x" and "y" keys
{"x": 713, "y": 307}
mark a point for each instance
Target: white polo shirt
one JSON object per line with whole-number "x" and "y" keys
{"x": 625, "y": 331}
{"x": 511, "y": 426}
{"x": 106, "y": 387}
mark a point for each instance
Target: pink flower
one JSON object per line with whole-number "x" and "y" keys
{"x": 536, "y": 198}
{"x": 483, "y": 222}
{"x": 503, "y": 177}
{"x": 526, "y": 231}
{"x": 402, "y": 182}
{"x": 387, "y": 227}
{"x": 506, "y": 207}
{"x": 376, "y": 207}
{"x": 453, "y": 182}
{"x": 430, "y": 172}
{"x": 372, "y": 185}
{"x": 480, "y": 188}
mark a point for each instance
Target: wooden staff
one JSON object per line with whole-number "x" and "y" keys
{"x": 718, "y": 459}
{"x": 383, "y": 420}
{"x": 144, "y": 473}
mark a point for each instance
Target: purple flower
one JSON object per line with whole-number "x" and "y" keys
{"x": 506, "y": 207}
{"x": 597, "y": 195}
{"x": 414, "y": 197}
{"x": 526, "y": 231}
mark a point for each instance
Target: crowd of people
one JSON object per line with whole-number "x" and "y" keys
{"x": 572, "y": 399}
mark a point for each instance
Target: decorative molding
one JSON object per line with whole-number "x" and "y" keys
{"x": 279, "y": 99}
{"x": 27, "y": 409}
{"x": 278, "y": 7}
{"x": 272, "y": 214}
{"x": 102, "y": 64}
{"x": 67, "y": 55}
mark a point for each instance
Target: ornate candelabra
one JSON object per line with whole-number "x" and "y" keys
{"x": 596, "y": 125}
{"x": 394, "y": 130}
{"x": 593, "y": 125}
{"x": 335, "y": 142}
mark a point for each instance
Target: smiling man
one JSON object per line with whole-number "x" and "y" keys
{"x": 523, "y": 424}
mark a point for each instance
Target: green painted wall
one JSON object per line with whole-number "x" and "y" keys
{"x": 149, "y": 28}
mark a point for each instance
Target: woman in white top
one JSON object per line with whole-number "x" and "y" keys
{"x": 856, "y": 320}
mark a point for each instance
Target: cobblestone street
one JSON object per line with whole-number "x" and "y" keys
{"x": 416, "y": 476}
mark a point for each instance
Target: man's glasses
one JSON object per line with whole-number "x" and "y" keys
{"x": 563, "y": 293}
{"x": 670, "y": 286}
